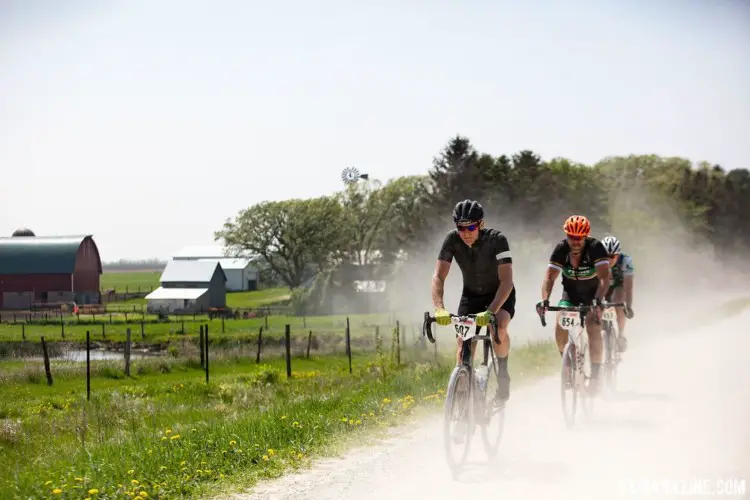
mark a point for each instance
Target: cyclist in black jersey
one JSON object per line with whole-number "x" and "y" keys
{"x": 484, "y": 257}
{"x": 584, "y": 265}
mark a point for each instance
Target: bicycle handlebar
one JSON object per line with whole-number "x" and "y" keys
{"x": 456, "y": 319}
{"x": 581, "y": 308}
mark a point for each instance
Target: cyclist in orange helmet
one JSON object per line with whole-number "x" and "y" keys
{"x": 584, "y": 265}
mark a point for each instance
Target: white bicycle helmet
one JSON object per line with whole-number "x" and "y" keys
{"x": 611, "y": 245}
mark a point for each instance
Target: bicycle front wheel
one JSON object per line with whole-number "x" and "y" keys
{"x": 568, "y": 386}
{"x": 458, "y": 424}
{"x": 493, "y": 415}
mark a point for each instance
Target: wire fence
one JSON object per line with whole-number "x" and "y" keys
{"x": 47, "y": 361}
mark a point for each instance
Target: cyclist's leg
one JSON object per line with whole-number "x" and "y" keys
{"x": 596, "y": 343}
{"x": 561, "y": 334}
{"x": 502, "y": 350}
{"x": 619, "y": 296}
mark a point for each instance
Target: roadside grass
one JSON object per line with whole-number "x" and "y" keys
{"x": 165, "y": 433}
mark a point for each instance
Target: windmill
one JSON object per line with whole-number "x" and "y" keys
{"x": 350, "y": 175}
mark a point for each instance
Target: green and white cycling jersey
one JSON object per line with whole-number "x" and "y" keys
{"x": 623, "y": 267}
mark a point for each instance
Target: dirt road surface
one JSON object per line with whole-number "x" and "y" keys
{"x": 678, "y": 427}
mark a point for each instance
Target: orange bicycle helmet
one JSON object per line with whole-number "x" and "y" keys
{"x": 577, "y": 225}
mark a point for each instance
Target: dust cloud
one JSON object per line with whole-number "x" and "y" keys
{"x": 675, "y": 427}
{"x": 673, "y": 267}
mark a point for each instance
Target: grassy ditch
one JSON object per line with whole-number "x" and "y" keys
{"x": 168, "y": 434}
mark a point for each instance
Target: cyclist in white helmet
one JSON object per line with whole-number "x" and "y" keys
{"x": 620, "y": 285}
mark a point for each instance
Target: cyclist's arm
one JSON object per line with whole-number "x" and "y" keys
{"x": 554, "y": 268}
{"x": 601, "y": 262}
{"x": 629, "y": 274}
{"x": 442, "y": 266}
{"x": 438, "y": 283}
{"x": 504, "y": 273}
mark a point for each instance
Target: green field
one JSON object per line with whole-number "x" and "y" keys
{"x": 130, "y": 280}
{"x": 167, "y": 433}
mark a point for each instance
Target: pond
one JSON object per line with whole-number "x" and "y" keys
{"x": 79, "y": 355}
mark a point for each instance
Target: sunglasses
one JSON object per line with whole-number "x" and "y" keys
{"x": 470, "y": 227}
{"x": 575, "y": 238}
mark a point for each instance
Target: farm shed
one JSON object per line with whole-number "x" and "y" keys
{"x": 240, "y": 272}
{"x": 189, "y": 286}
{"x": 38, "y": 271}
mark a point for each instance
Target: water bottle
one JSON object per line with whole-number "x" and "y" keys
{"x": 481, "y": 373}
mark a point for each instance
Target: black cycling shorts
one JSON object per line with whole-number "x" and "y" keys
{"x": 475, "y": 304}
{"x": 578, "y": 299}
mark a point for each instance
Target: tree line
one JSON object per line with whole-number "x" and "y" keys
{"x": 363, "y": 231}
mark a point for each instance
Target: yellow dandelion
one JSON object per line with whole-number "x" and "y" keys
{"x": 232, "y": 442}
{"x": 79, "y": 479}
{"x": 271, "y": 451}
{"x": 283, "y": 417}
{"x": 176, "y": 436}
{"x": 143, "y": 494}
{"x": 56, "y": 491}
{"x": 183, "y": 463}
{"x": 164, "y": 438}
{"x": 131, "y": 472}
{"x": 93, "y": 491}
{"x": 168, "y": 431}
{"x": 163, "y": 468}
{"x": 134, "y": 482}
{"x": 265, "y": 457}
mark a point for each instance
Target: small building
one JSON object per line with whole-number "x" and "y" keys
{"x": 48, "y": 271}
{"x": 189, "y": 286}
{"x": 240, "y": 272}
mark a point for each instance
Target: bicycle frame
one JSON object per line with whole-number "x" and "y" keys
{"x": 572, "y": 318}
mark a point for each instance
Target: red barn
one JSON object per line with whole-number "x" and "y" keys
{"x": 48, "y": 270}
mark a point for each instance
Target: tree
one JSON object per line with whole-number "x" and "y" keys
{"x": 296, "y": 238}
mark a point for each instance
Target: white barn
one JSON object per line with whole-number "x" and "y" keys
{"x": 240, "y": 272}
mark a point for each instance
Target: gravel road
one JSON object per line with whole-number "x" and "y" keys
{"x": 680, "y": 419}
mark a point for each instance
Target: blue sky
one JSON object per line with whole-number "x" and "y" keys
{"x": 147, "y": 123}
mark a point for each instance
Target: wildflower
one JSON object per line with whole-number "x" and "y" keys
{"x": 232, "y": 442}
{"x": 168, "y": 432}
{"x": 283, "y": 417}
{"x": 131, "y": 472}
{"x": 296, "y": 424}
{"x": 56, "y": 491}
{"x": 93, "y": 491}
{"x": 134, "y": 482}
{"x": 143, "y": 494}
{"x": 271, "y": 451}
{"x": 176, "y": 436}
{"x": 265, "y": 458}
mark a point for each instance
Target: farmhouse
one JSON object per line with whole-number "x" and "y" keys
{"x": 240, "y": 272}
{"x": 189, "y": 286}
{"x": 47, "y": 271}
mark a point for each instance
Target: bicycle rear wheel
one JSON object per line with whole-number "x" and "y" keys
{"x": 458, "y": 411}
{"x": 493, "y": 420}
{"x": 568, "y": 386}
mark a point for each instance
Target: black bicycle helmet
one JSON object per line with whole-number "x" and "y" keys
{"x": 468, "y": 211}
